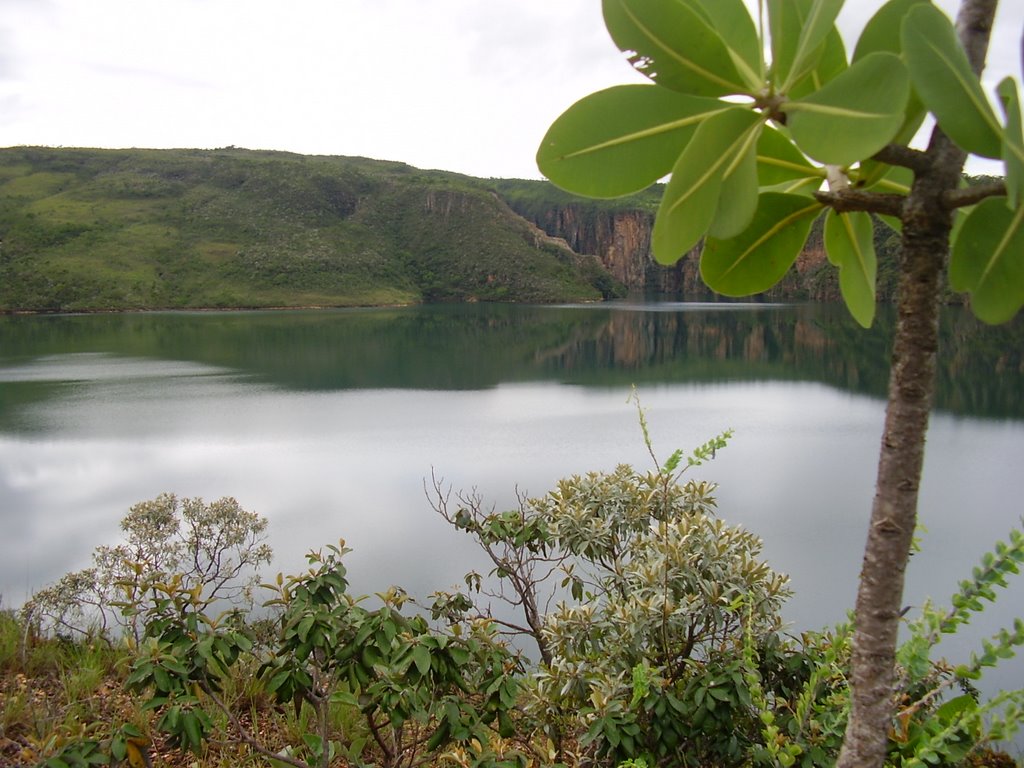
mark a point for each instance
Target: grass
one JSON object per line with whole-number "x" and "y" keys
{"x": 55, "y": 691}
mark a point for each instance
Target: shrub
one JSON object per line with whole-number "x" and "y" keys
{"x": 654, "y": 600}
{"x": 214, "y": 549}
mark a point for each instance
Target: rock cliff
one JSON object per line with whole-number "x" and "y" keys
{"x": 619, "y": 234}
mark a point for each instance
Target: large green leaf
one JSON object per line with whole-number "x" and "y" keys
{"x": 691, "y": 196}
{"x": 873, "y": 171}
{"x": 672, "y": 44}
{"x": 1013, "y": 140}
{"x": 882, "y": 32}
{"x": 731, "y": 19}
{"x": 849, "y": 243}
{"x": 621, "y": 140}
{"x": 802, "y": 34}
{"x": 737, "y": 199}
{"x": 817, "y": 26}
{"x": 779, "y": 161}
{"x": 943, "y": 79}
{"x": 831, "y": 62}
{"x": 758, "y": 257}
{"x": 855, "y": 114}
{"x": 785, "y": 22}
{"x": 988, "y": 260}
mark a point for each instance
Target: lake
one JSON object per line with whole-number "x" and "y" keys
{"x": 330, "y": 422}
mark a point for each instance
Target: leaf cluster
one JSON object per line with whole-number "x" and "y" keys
{"x": 758, "y": 151}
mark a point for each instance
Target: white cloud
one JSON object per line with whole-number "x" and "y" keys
{"x": 464, "y": 85}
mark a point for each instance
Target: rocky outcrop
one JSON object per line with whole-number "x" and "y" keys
{"x": 621, "y": 239}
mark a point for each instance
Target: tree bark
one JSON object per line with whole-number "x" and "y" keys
{"x": 925, "y": 248}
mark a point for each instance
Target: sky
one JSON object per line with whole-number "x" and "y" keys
{"x": 462, "y": 85}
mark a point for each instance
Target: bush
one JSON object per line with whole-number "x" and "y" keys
{"x": 214, "y": 549}
{"x": 655, "y": 600}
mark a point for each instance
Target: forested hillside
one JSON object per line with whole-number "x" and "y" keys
{"x": 89, "y": 229}
{"x": 92, "y": 229}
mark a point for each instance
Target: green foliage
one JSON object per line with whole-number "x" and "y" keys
{"x": 870, "y": 114}
{"x": 662, "y": 648}
{"x": 721, "y": 150}
{"x": 759, "y": 256}
{"x": 732, "y": 129}
{"x": 652, "y": 599}
{"x": 941, "y": 718}
{"x": 850, "y": 247}
{"x": 416, "y": 690}
{"x": 214, "y": 550}
{"x": 943, "y": 78}
{"x": 995, "y": 281}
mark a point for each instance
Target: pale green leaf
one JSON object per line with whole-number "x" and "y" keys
{"x": 732, "y": 21}
{"x": 831, "y": 62}
{"x": 779, "y": 161}
{"x": 806, "y": 187}
{"x": 943, "y": 79}
{"x": 816, "y": 27}
{"x": 855, "y": 114}
{"x": 871, "y": 171}
{"x": 672, "y": 44}
{"x": 882, "y": 32}
{"x": 737, "y": 199}
{"x": 421, "y": 658}
{"x": 1013, "y": 140}
{"x": 785, "y": 22}
{"x": 758, "y": 257}
{"x": 849, "y": 243}
{"x": 691, "y": 196}
{"x": 622, "y": 139}
{"x": 988, "y": 260}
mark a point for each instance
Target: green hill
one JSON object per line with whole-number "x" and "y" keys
{"x": 89, "y": 229}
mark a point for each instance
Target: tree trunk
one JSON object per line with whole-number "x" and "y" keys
{"x": 925, "y": 249}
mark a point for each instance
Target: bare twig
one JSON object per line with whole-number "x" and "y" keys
{"x": 904, "y": 157}
{"x": 847, "y": 200}
{"x": 959, "y": 198}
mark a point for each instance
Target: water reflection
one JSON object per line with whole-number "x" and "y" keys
{"x": 464, "y": 347}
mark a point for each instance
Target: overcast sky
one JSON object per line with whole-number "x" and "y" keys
{"x": 462, "y": 85}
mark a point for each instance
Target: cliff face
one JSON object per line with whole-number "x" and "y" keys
{"x": 621, "y": 238}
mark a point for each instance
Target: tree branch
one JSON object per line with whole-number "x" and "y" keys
{"x": 925, "y": 249}
{"x": 904, "y": 157}
{"x": 958, "y": 198}
{"x": 847, "y": 200}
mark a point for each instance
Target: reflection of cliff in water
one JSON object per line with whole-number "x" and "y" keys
{"x": 717, "y": 344}
{"x": 981, "y": 369}
{"x": 981, "y": 372}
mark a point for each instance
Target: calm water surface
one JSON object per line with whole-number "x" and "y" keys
{"x": 328, "y": 423}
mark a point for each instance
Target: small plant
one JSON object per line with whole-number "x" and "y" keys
{"x": 940, "y": 717}
{"x": 215, "y": 549}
